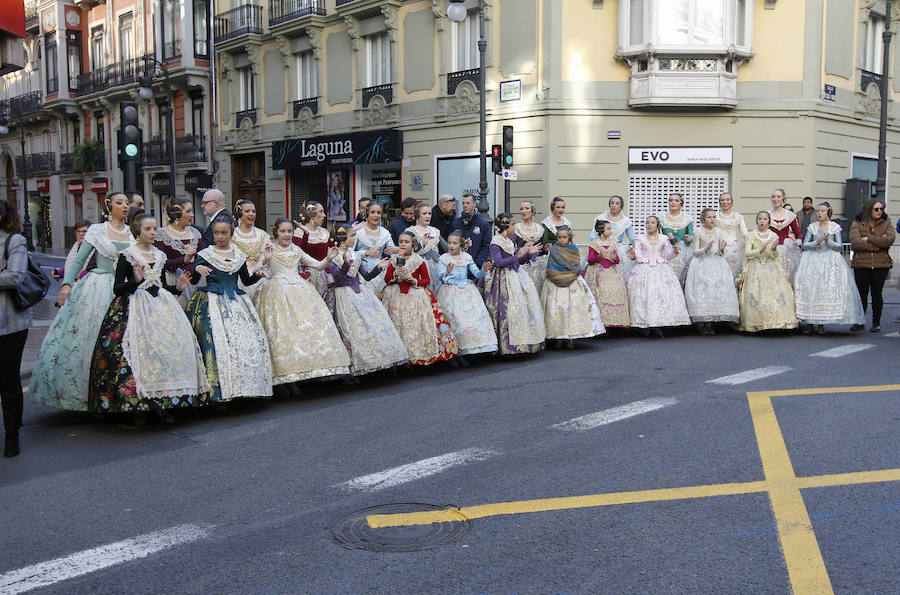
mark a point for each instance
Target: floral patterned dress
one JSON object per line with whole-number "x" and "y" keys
{"x": 366, "y": 242}
{"x": 709, "y": 288}
{"x": 428, "y": 250}
{"x": 146, "y": 356}
{"x": 766, "y": 298}
{"x": 463, "y": 305}
{"x": 252, "y": 245}
{"x": 734, "y": 229}
{"x": 679, "y": 228}
{"x": 824, "y": 287}
{"x": 623, "y": 232}
{"x": 536, "y": 264}
{"x": 604, "y": 278}
{"x": 654, "y": 293}
{"x": 416, "y": 313}
{"x": 316, "y": 246}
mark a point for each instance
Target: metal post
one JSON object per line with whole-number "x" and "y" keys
{"x": 880, "y": 183}
{"x": 171, "y": 133}
{"x": 482, "y": 49}
{"x": 26, "y": 220}
{"x": 506, "y": 189}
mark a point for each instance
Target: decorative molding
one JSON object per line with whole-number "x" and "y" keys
{"x": 314, "y": 34}
{"x": 284, "y": 48}
{"x": 378, "y": 114}
{"x": 353, "y": 32}
{"x": 870, "y": 101}
{"x": 246, "y": 132}
{"x": 253, "y": 56}
{"x": 465, "y": 100}
{"x": 305, "y": 124}
{"x": 227, "y": 66}
{"x": 437, "y": 9}
{"x": 391, "y": 14}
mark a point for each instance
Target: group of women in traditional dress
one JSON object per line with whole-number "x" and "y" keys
{"x": 162, "y": 322}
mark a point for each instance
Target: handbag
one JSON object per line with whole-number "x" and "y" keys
{"x": 33, "y": 287}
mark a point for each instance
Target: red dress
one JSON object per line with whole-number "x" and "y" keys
{"x": 419, "y": 319}
{"x": 316, "y": 247}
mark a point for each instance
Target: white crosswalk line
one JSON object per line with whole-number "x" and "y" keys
{"x": 608, "y": 416}
{"x": 843, "y": 350}
{"x": 417, "y": 470}
{"x": 98, "y": 558}
{"x": 750, "y": 375}
{"x": 893, "y": 335}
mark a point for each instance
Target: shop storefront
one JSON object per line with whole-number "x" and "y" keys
{"x": 161, "y": 188}
{"x": 196, "y": 183}
{"x": 337, "y": 171}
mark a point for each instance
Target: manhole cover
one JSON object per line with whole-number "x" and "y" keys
{"x": 354, "y": 532}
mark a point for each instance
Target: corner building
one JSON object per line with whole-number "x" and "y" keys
{"x": 333, "y": 100}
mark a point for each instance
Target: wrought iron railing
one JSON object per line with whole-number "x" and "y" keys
{"x": 386, "y": 92}
{"x": 866, "y": 78}
{"x": 188, "y": 149}
{"x": 473, "y": 75}
{"x": 238, "y": 21}
{"x": 37, "y": 163}
{"x": 121, "y": 73}
{"x": 26, "y": 103}
{"x": 312, "y": 103}
{"x": 156, "y": 153}
{"x": 67, "y": 163}
{"x": 282, "y": 11}
{"x": 247, "y": 114}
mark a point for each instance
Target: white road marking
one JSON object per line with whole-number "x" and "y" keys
{"x": 608, "y": 416}
{"x": 893, "y": 335}
{"x": 750, "y": 375}
{"x": 843, "y": 350}
{"x": 98, "y": 558}
{"x": 417, "y": 470}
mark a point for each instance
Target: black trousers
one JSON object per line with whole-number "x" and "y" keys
{"x": 11, "y": 348}
{"x": 871, "y": 280}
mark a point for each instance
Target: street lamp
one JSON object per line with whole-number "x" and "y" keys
{"x": 16, "y": 109}
{"x": 151, "y": 65}
{"x": 456, "y": 12}
{"x": 881, "y": 179}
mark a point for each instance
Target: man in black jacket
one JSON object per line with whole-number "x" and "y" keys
{"x": 442, "y": 217}
{"x": 213, "y": 205}
{"x": 475, "y": 230}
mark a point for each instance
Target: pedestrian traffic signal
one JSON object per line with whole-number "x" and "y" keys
{"x": 507, "y": 147}
{"x": 130, "y": 132}
{"x": 496, "y": 164}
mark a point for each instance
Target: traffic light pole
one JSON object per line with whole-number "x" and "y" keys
{"x": 130, "y": 177}
{"x": 506, "y": 205}
{"x": 482, "y": 49}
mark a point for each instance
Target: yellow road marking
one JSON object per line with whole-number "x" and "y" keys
{"x": 806, "y": 568}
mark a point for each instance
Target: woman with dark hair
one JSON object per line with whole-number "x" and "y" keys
{"x": 622, "y": 231}
{"x": 14, "y": 324}
{"x": 871, "y": 236}
{"x": 61, "y": 373}
{"x": 146, "y": 357}
{"x": 313, "y": 238}
{"x": 510, "y": 295}
{"x": 556, "y": 218}
{"x": 766, "y": 299}
{"x": 415, "y": 311}
{"x": 365, "y": 326}
{"x": 179, "y": 241}
{"x": 604, "y": 277}
{"x": 303, "y": 340}
{"x": 231, "y": 337}
{"x": 250, "y": 240}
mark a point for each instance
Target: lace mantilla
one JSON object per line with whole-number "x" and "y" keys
{"x": 98, "y": 236}
{"x": 549, "y": 224}
{"x": 463, "y": 259}
{"x": 675, "y": 225}
{"x": 176, "y": 244}
{"x": 226, "y": 265}
{"x": 533, "y": 234}
{"x": 432, "y": 244}
{"x": 505, "y": 243}
{"x": 413, "y": 262}
{"x": 789, "y": 218}
{"x": 152, "y": 270}
{"x": 252, "y": 246}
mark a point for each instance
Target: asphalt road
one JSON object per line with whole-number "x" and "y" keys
{"x": 247, "y": 497}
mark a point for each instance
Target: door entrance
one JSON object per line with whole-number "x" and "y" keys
{"x": 248, "y": 181}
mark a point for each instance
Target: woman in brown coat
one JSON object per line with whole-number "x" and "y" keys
{"x": 871, "y": 236}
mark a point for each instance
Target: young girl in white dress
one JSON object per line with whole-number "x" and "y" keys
{"x": 709, "y": 288}
{"x": 604, "y": 277}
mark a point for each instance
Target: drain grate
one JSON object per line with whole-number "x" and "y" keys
{"x": 354, "y": 532}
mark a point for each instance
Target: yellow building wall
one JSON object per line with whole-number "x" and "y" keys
{"x": 778, "y": 39}
{"x": 589, "y": 43}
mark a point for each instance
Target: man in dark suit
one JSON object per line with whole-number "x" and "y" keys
{"x": 442, "y": 217}
{"x": 213, "y": 204}
{"x": 475, "y": 230}
{"x": 406, "y": 219}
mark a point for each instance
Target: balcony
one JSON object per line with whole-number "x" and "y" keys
{"x": 121, "y": 73}
{"x": 37, "y": 163}
{"x": 312, "y": 103}
{"x": 67, "y": 164}
{"x": 247, "y": 114}
{"x": 21, "y": 105}
{"x": 385, "y": 91}
{"x": 683, "y": 81}
{"x": 473, "y": 75}
{"x": 866, "y": 78}
{"x": 242, "y": 20}
{"x": 188, "y": 149}
{"x": 282, "y": 11}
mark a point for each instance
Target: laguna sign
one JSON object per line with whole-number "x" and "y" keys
{"x": 345, "y": 150}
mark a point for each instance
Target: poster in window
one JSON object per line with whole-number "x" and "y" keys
{"x": 336, "y": 195}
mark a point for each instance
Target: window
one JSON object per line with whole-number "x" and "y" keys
{"x": 636, "y": 23}
{"x": 378, "y": 59}
{"x": 98, "y": 53}
{"x": 197, "y": 115}
{"x": 247, "y": 88}
{"x": 98, "y": 116}
{"x": 689, "y": 25}
{"x": 464, "y": 37}
{"x": 691, "y": 22}
{"x": 162, "y": 108}
{"x": 76, "y": 132}
{"x": 171, "y": 30}
{"x": 872, "y": 57}
{"x": 50, "y": 62}
{"x": 201, "y": 28}
{"x": 73, "y": 57}
{"x": 126, "y": 36}
{"x": 307, "y": 84}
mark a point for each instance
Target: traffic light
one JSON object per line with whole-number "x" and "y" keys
{"x": 130, "y": 132}
{"x": 496, "y": 164}
{"x": 507, "y": 147}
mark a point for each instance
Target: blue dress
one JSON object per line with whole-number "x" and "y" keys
{"x": 62, "y": 371}
{"x": 463, "y": 305}
{"x": 824, "y": 289}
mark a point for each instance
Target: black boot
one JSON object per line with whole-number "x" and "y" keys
{"x": 11, "y": 448}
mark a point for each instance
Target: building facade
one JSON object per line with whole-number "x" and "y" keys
{"x": 85, "y": 57}
{"x": 333, "y": 100}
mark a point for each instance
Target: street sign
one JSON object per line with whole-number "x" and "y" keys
{"x": 510, "y": 174}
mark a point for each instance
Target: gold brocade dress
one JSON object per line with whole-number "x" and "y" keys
{"x": 766, "y": 298}
{"x": 604, "y": 278}
{"x": 735, "y": 231}
{"x": 303, "y": 339}
{"x": 252, "y": 246}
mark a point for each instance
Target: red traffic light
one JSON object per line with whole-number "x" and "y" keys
{"x": 495, "y": 151}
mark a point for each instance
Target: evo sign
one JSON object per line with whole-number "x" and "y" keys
{"x": 680, "y": 155}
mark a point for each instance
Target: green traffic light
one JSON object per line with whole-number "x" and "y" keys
{"x": 509, "y": 160}
{"x": 131, "y": 150}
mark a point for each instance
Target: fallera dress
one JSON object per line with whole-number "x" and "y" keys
{"x": 415, "y": 311}
{"x": 252, "y": 245}
{"x": 315, "y": 245}
{"x": 463, "y": 305}
{"x": 623, "y": 232}
{"x": 824, "y": 288}
{"x": 734, "y": 229}
{"x": 536, "y": 264}
{"x": 709, "y": 290}
{"x": 654, "y": 293}
{"x": 232, "y": 340}
{"x": 604, "y": 278}
{"x": 680, "y": 227}
{"x": 146, "y": 357}
{"x": 303, "y": 340}
{"x": 177, "y": 259}
{"x": 62, "y": 371}
{"x": 570, "y": 310}
{"x": 428, "y": 250}
{"x": 788, "y": 249}
{"x": 369, "y": 334}
{"x": 364, "y": 243}
{"x": 513, "y": 302}
{"x": 766, "y": 298}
